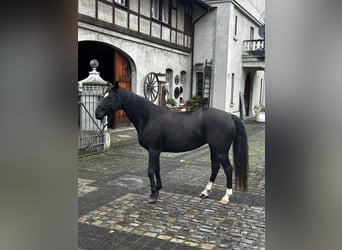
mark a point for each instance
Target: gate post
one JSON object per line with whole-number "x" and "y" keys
{"x": 93, "y": 134}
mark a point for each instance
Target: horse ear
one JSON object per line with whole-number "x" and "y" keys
{"x": 114, "y": 86}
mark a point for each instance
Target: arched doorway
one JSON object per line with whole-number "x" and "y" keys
{"x": 247, "y": 93}
{"x": 113, "y": 66}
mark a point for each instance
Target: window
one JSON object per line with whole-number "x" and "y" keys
{"x": 251, "y": 33}
{"x": 161, "y": 10}
{"x": 261, "y": 86}
{"x": 169, "y": 79}
{"x": 187, "y": 19}
{"x": 199, "y": 83}
{"x": 155, "y": 9}
{"x": 232, "y": 91}
{"x": 168, "y": 76}
{"x": 121, "y": 2}
{"x": 235, "y": 28}
{"x": 183, "y": 77}
{"x": 165, "y": 11}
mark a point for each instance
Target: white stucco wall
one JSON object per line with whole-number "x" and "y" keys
{"x": 219, "y": 94}
{"x": 204, "y": 40}
{"x": 235, "y": 50}
{"x": 145, "y": 56}
{"x": 228, "y": 49}
{"x": 211, "y": 36}
{"x": 204, "y": 43}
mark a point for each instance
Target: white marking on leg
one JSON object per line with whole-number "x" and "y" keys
{"x": 206, "y": 191}
{"x": 225, "y": 198}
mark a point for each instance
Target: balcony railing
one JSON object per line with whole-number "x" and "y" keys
{"x": 254, "y": 46}
{"x": 253, "y": 55}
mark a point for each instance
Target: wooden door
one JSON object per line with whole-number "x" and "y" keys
{"x": 122, "y": 74}
{"x": 247, "y": 93}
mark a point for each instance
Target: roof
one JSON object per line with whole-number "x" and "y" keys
{"x": 203, "y": 4}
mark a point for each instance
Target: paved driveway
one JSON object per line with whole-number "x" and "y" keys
{"x": 114, "y": 213}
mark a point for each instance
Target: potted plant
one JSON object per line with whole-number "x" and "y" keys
{"x": 171, "y": 102}
{"x": 260, "y": 112}
{"x": 194, "y": 103}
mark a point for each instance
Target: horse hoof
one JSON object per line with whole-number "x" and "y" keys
{"x": 152, "y": 200}
{"x": 224, "y": 201}
{"x": 203, "y": 196}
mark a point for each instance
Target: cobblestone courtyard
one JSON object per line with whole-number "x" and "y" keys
{"x": 113, "y": 189}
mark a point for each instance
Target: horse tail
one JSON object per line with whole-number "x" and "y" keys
{"x": 240, "y": 151}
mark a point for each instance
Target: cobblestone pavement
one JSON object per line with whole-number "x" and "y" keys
{"x": 114, "y": 213}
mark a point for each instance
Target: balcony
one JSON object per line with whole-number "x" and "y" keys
{"x": 253, "y": 55}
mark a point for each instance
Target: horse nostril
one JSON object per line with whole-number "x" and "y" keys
{"x": 98, "y": 116}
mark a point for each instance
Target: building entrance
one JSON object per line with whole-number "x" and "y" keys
{"x": 113, "y": 66}
{"x": 247, "y": 94}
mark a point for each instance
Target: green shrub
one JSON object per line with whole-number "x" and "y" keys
{"x": 171, "y": 102}
{"x": 194, "y": 103}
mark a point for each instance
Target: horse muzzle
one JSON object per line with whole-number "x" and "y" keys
{"x": 99, "y": 115}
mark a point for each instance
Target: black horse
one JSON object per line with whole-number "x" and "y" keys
{"x": 161, "y": 130}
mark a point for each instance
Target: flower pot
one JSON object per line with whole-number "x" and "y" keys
{"x": 183, "y": 108}
{"x": 260, "y": 117}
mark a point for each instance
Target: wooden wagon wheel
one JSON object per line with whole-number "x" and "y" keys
{"x": 151, "y": 87}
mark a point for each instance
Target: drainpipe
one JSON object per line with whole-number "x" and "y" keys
{"x": 209, "y": 9}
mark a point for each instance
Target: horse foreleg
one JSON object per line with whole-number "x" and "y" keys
{"x": 152, "y": 167}
{"x": 215, "y": 166}
{"x": 206, "y": 191}
{"x": 159, "y": 184}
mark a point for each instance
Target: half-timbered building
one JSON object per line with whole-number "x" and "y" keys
{"x": 190, "y": 47}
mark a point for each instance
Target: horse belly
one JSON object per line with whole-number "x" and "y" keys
{"x": 181, "y": 142}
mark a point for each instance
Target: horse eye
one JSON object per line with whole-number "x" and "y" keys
{"x": 107, "y": 100}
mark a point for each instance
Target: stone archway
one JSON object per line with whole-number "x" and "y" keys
{"x": 114, "y": 65}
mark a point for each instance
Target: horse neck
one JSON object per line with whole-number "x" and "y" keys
{"x": 137, "y": 108}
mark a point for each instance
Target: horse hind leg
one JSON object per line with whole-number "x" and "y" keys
{"x": 228, "y": 170}
{"x": 153, "y": 165}
{"x": 215, "y": 167}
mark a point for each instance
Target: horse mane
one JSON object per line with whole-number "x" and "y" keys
{"x": 141, "y": 106}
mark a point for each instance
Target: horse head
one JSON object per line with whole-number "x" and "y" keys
{"x": 110, "y": 103}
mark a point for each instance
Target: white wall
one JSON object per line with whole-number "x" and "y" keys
{"x": 228, "y": 50}
{"x": 219, "y": 94}
{"x": 204, "y": 42}
{"x": 235, "y": 60}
